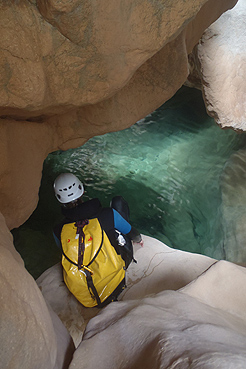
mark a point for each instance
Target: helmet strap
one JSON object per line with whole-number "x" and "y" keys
{"x": 73, "y": 204}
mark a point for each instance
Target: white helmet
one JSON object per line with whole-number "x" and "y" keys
{"x": 68, "y": 188}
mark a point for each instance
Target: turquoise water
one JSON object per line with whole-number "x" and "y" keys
{"x": 168, "y": 167}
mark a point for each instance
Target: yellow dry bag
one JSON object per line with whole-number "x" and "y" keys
{"x": 93, "y": 271}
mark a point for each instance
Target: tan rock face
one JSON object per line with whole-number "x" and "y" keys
{"x": 221, "y": 63}
{"x": 199, "y": 326}
{"x": 29, "y": 335}
{"x": 72, "y": 70}
{"x": 61, "y": 55}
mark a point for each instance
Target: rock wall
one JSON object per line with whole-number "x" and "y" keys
{"x": 70, "y": 71}
{"x": 232, "y": 184}
{"x": 218, "y": 65}
{"x": 31, "y": 335}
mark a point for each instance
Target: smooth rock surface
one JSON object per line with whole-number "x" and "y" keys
{"x": 30, "y": 336}
{"x": 222, "y": 287}
{"x": 190, "y": 328}
{"x": 220, "y": 59}
{"x": 73, "y": 315}
{"x": 158, "y": 268}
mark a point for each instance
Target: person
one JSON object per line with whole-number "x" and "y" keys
{"x": 114, "y": 220}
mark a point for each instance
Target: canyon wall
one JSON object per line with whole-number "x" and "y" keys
{"x": 219, "y": 67}
{"x": 69, "y": 71}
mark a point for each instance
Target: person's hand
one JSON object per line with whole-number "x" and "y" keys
{"x": 141, "y": 243}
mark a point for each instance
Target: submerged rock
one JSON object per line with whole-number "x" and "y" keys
{"x": 233, "y": 220}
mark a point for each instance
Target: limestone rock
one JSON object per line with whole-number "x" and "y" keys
{"x": 221, "y": 63}
{"x": 72, "y": 70}
{"x": 232, "y": 184}
{"x": 216, "y": 288}
{"x": 189, "y": 328}
{"x": 73, "y": 315}
{"x": 30, "y": 335}
{"x": 158, "y": 268}
{"x": 60, "y": 55}
{"x": 68, "y": 74}
{"x": 23, "y": 147}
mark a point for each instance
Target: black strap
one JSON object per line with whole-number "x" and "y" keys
{"x": 91, "y": 287}
{"x": 81, "y": 249}
{"x": 99, "y": 249}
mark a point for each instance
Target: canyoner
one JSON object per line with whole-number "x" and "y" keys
{"x": 96, "y": 243}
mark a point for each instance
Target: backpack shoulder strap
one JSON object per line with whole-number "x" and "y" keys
{"x": 92, "y": 289}
{"x": 80, "y": 232}
{"x": 99, "y": 248}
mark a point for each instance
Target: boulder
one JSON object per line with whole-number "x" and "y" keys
{"x": 200, "y": 326}
{"x": 219, "y": 61}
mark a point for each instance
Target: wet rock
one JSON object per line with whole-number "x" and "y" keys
{"x": 233, "y": 216}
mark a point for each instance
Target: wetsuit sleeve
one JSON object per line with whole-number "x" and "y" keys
{"x": 124, "y": 227}
{"x": 120, "y": 223}
{"x": 57, "y": 240}
{"x": 57, "y": 235}
{"x": 135, "y": 235}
